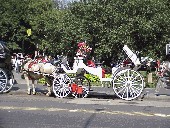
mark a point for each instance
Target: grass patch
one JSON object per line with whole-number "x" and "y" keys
{"x": 154, "y": 79}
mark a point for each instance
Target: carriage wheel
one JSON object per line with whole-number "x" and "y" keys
{"x": 82, "y": 83}
{"x": 10, "y": 82}
{"x": 128, "y": 84}
{"x": 61, "y": 85}
{"x": 3, "y": 80}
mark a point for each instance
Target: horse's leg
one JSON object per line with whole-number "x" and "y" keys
{"x": 27, "y": 80}
{"x": 49, "y": 89}
{"x": 48, "y": 81}
{"x": 33, "y": 87}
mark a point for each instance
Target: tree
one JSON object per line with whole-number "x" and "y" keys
{"x": 108, "y": 25}
{"x": 18, "y": 16}
{"x": 105, "y": 25}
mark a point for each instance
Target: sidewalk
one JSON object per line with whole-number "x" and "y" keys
{"x": 148, "y": 93}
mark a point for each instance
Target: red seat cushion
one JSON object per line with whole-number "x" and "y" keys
{"x": 91, "y": 63}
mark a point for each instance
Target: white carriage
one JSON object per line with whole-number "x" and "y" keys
{"x": 128, "y": 83}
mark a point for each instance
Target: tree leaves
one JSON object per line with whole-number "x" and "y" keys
{"x": 105, "y": 25}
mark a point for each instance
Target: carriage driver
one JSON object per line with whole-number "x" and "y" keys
{"x": 50, "y": 60}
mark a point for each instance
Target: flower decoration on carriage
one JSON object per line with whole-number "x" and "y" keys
{"x": 83, "y": 49}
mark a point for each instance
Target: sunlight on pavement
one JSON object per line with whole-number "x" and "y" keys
{"x": 86, "y": 111}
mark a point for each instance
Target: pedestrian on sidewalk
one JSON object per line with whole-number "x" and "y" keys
{"x": 44, "y": 59}
{"x": 50, "y": 60}
{"x": 148, "y": 67}
{"x": 157, "y": 66}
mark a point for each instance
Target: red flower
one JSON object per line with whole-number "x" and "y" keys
{"x": 81, "y": 44}
{"x": 83, "y": 49}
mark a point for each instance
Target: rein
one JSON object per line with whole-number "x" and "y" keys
{"x": 31, "y": 64}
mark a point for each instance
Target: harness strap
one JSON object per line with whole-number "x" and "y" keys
{"x": 31, "y": 64}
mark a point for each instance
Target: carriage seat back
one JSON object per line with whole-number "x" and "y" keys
{"x": 92, "y": 64}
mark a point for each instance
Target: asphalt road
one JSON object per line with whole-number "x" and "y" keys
{"x": 55, "y": 119}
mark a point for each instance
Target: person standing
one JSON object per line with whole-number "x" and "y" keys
{"x": 16, "y": 63}
{"x": 158, "y": 64}
{"x": 148, "y": 67}
{"x": 44, "y": 59}
{"x": 50, "y": 60}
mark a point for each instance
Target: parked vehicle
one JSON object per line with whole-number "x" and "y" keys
{"x": 6, "y": 76}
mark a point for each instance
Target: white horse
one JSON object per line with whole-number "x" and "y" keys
{"x": 35, "y": 71}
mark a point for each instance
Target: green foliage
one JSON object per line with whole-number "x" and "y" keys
{"x": 108, "y": 70}
{"x": 18, "y": 16}
{"x": 92, "y": 78}
{"x": 154, "y": 79}
{"x": 69, "y": 74}
{"x": 108, "y": 75}
{"x": 105, "y": 25}
{"x": 42, "y": 80}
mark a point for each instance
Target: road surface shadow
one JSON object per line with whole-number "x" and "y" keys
{"x": 101, "y": 95}
{"x": 14, "y": 88}
{"x": 160, "y": 94}
{"x": 92, "y": 94}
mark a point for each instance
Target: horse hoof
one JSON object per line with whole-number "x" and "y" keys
{"x": 34, "y": 93}
{"x": 48, "y": 94}
{"x": 29, "y": 93}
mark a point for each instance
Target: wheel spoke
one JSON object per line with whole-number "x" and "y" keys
{"x": 127, "y": 93}
{"x": 134, "y": 92}
{"x": 128, "y": 75}
{"x": 3, "y": 79}
{"x": 122, "y": 78}
{"x": 136, "y": 77}
{"x": 123, "y": 92}
{"x": 118, "y": 83}
{"x": 121, "y": 89}
{"x": 131, "y": 91}
{"x": 136, "y": 88}
{"x": 137, "y": 84}
{"x": 132, "y": 74}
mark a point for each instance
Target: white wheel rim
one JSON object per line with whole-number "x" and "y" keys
{"x": 10, "y": 83}
{"x": 128, "y": 84}
{"x": 60, "y": 85}
{"x": 3, "y": 80}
